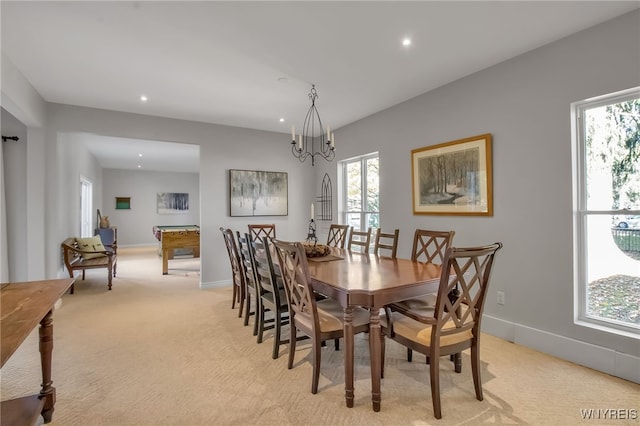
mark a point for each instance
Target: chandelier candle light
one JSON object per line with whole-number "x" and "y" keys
{"x": 306, "y": 144}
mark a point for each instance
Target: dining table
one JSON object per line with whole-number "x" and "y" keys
{"x": 370, "y": 281}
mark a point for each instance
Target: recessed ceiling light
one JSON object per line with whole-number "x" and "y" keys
{"x": 143, "y": 98}
{"x": 282, "y": 120}
{"x": 139, "y": 166}
{"x": 406, "y": 41}
{"x": 139, "y": 155}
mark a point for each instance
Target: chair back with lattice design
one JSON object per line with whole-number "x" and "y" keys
{"x": 264, "y": 230}
{"x": 337, "y": 235}
{"x": 264, "y": 267}
{"x": 245, "y": 257}
{"x": 386, "y": 241}
{"x": 469, "y": 270}
{"x": 430, "y": 246}
{"x": 360, "y": 239}
{"x": 297, "y": 284}
{"x": 244, "y": 243}
{"x": 234, "y": 258}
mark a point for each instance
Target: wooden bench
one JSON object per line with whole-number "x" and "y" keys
{"x": 74, "y": 261}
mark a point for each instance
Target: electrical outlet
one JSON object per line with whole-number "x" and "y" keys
{"x": 500, "y": 297}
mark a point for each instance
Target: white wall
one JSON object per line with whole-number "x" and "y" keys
{"x": 74, "y": 161}
{"x": 135, "y": 225}
{"x": 525, "y": 104}
{"x": 14, "y": 158}
{"x": 221, "y": 148}
{"x": 24, "y": 103}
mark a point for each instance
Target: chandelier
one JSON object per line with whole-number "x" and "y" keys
{"x": 313, "y": 140}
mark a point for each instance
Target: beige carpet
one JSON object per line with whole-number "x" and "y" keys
{"x": 157, "y": 350}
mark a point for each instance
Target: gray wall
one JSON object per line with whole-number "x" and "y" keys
{"x": 135, "y": 225}
{"x": 523, "y": 102}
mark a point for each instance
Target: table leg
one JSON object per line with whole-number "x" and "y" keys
{"x": 375, "y": 350}
{"x": 48, "y": 392}
{"x": 165, "y": 261}
{"x": 348, "y": 356}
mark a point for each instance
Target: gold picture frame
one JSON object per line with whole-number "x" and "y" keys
{"x": 453, "y": 178}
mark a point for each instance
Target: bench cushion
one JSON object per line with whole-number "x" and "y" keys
{"x": 91, "y": 244}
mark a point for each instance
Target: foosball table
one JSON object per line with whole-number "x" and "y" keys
{"x": 174, "y": 238}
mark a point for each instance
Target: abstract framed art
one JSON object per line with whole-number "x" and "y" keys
{"x": 172, "y": 202}
{"x": 453, "y": 178}
{"x": 258, "y": 193}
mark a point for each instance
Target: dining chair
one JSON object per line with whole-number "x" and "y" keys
{"x": 360, "y": 239}
{"x": 236, "y": 270}
{"x": 264, "y": 230}
{"x": 271, "y": 293}
{"x": 337, "y": 236}
{"x": 386, "y": 241}
{"x": 250, "y": 281}
{"x": 429, "y": 247}
{"x": 321, "y": 320}
{"x": 450, "y": 326}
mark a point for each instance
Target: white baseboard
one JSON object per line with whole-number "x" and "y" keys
{"x": 216, "y": 284}
{"x": 596, "y": 357}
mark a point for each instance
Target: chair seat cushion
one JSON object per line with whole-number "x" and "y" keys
{"x": 330, "y": 315}
{"x": 423, "y": 306}
{"x": 421, "y": 333}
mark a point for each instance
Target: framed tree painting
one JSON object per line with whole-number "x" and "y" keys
{"x": 172, "y": 202}
{"x": 258, "y": 193}
{"x": 453, "y": 178}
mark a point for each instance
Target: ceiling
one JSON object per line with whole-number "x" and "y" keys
{"x": 249, "y": 64}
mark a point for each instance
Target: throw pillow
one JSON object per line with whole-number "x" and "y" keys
{"x": 89, "y": 246}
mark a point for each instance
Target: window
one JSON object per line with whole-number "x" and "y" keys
{"x": 607, "y": 211}
{"x": 86, "y": 207}
{"x": 360, "y": 192}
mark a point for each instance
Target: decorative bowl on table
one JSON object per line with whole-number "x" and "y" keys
{"x": 316, "y": 250}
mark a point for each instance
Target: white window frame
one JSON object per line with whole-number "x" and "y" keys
{"x": 581, "y": 212}
{"x": 363, "y": 185}
{"x": 86, "y": 207}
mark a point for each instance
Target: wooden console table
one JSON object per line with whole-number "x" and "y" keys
{"x": 22, "y": 307}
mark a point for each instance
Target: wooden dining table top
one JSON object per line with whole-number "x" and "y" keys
{"x": 360, "y": 276}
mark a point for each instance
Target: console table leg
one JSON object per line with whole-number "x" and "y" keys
{"x": 48, "y": 392}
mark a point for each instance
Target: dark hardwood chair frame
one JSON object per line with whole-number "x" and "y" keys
{"x": 429, "y": 247}
{"x": 237, "y": 276}
{"x": 454, "y": 324}
{"x": 272, "y": 294}
{"x": 262, "y": 230}
{"x": 305, "y": 311}
{"x": 361, "y": 239}
{"x": 250, "y": 280}
{"x": 337, "y": 236}
{"x": 386, "y": 241}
